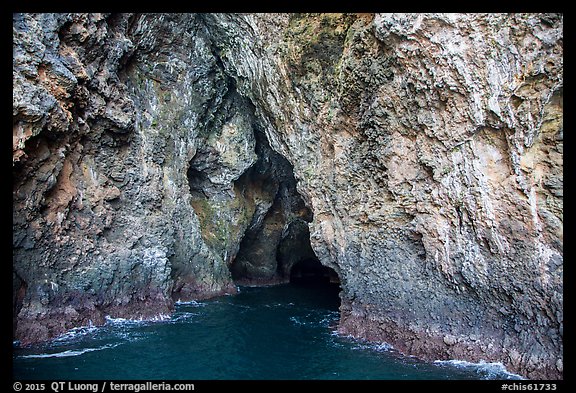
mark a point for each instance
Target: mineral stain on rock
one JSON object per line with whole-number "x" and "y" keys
{"x": 419, "y": 157}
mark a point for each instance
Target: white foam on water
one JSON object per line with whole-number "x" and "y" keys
{"x": 189, "y": 303}
{"x": 183, "y": 316}
{"x": 68, "y": 352}
{"x": 384, "y": 347}
{"x": 330, "y": 318}
{"x": 364, "y": 344}
{"x": 160, "y": 318}
{"x": 125, "y": 321}
{"x": 487, "y": 370}
{"x": 378, "y": 347}
{"x": 76, "y": 333}
{"x": 336, "y": 333}
{"x": 279, "y": 305}
{"x": 296, "y": 321}
{"x": 122, "y": 321}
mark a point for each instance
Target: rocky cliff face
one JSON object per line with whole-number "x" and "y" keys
{"x": 166, "y": 157}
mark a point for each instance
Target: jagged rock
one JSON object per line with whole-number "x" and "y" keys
{"x": 426, "y": 151}
{"x": 450, "y": 340}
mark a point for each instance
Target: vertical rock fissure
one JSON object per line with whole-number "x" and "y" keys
{"x": 260, "y": 224}
{"x": 249, "y": 210}
{"x": 244, "y": 193}
{"x": 153, "y": 153}
{"x": 276, "y": 246}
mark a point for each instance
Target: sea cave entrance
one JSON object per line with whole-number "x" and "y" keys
{"x": 260, "y": 225}
{"x": 311, "y": 272}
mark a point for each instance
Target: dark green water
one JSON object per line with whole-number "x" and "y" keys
{"x": 282, "y": 332}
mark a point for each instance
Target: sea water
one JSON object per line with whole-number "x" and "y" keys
{"x": 267, "y": 333}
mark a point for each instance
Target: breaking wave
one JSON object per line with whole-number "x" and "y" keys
{"x": 484, "y": 369}
{"x": 68, "y": 352}
{"x": 124, "y": 321}
{"x": 192, "y": 303}
{"x": 76, "y": 333}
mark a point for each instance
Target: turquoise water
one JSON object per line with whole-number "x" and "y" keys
{"x": 281, "y": 332}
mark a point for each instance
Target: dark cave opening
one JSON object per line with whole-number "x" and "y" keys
{"x": 260, "y": 226}
{"x": 320, "y": 282}
{"x": 273, "y": 220}
{"x": 311, "y": 271}
{"x": 196, "y": 181}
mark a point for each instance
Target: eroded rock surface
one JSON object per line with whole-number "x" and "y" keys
{"x": 157, "y": 156}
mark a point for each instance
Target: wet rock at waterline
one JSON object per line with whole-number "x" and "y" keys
{"x": 165, "y": 157}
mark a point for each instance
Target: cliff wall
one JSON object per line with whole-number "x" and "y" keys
{"x": 167, "y": 157}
